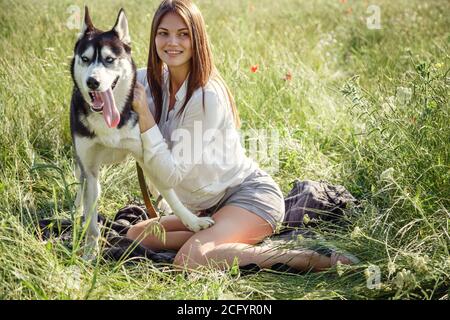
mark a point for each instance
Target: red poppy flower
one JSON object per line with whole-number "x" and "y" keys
{"x": 288, "y": 76}
{"x": 254, "y": 68}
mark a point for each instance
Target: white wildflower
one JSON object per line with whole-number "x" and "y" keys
{"x": 339, "y": 269}
{"x": 389, "y": 105}
{"x": 420, "y": 263}
{"x": 306, "y": 219}
{"x": 403, "y": 96}
{"x": 404, "y": 279}
{"x": 356, "y": 233}
{"x": 391, "y": 267}
{"x": 387, "y": 175}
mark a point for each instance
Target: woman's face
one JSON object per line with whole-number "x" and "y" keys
{"x": 173, "y": 43}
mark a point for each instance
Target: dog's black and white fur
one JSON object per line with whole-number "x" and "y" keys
{"x": 102, "y": 63}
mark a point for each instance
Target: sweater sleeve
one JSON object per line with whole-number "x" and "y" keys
{"x": 196, "y": 133}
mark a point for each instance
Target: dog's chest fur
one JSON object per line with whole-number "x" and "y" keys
{"x": 126, "y": 138}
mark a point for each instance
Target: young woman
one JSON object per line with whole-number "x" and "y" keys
{"x": 188, "y": 122}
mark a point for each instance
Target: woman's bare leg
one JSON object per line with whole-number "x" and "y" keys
{"x": 230, "y": 243}
{"x": 266, "y": 257}
{"x": 174, "y": 240}
{"x": 233, "y": 237}
{"x": 175, "y": 235}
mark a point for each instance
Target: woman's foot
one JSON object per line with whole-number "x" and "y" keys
{"x": 343, "y": 258}
{"x": 329, "y": 257}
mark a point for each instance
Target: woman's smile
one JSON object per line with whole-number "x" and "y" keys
{"x": 173, "y": 53}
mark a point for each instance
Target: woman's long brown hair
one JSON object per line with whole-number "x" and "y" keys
{"x": 202, "y": 65}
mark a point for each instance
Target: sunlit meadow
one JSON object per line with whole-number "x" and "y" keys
{"x": 358, "y": 92}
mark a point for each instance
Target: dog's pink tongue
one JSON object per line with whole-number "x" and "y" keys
{"x": 110, "y": 112}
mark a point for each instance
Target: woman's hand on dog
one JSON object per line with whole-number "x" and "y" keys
{"x": 140, "y": 106}
{"x": 139, "y": 99}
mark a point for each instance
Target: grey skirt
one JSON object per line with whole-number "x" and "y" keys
{"x": 258, "y": 193}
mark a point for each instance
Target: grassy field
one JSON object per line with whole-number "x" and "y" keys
{"x": 361, "y": 107}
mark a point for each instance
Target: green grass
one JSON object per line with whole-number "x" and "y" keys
{"x": 368, "y": 109}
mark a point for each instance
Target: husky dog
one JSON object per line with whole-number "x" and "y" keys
{"x": 103, "y": 125}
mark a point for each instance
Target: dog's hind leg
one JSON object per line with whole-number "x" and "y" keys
{"x": 90, "y": 158}
{"x": 80, "y": 176}
{"x": 86, "y": 199}
{"x": 90, "y": 197}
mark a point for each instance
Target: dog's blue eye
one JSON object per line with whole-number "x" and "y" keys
{"x": 110, "y": 60}
{"x": 84, "y": 59}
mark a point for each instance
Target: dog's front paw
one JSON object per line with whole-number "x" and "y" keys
{"x": 198, "y": 224}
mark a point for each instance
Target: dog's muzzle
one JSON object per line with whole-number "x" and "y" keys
{"x": 96, "y": 102}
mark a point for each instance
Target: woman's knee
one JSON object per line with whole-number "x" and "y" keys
{"x": 142, "y": 229}
{"x": 233, "y": 225}
{"x": 172, "y": 223}
{"x": 134, "y": 232}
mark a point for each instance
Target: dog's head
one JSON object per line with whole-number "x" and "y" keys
{"x": 102, "y": 67}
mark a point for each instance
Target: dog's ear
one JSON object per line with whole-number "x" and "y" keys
{"x": 87, "y": 25}
{"x": 121, "y": 28}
